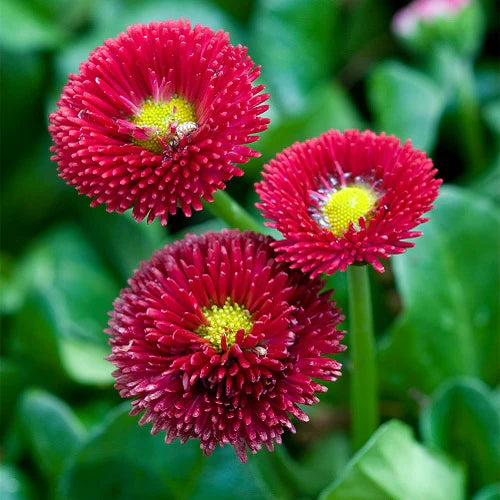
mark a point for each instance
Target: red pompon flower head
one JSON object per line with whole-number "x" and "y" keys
{"x": 346, "y": 198}
{"x": 157, "y": 118}
{"x": 216, "y": 340}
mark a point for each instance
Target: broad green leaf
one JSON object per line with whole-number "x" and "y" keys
{"x": 487, "y": 184}
{"x": 84, "y": 361}
{"x": 490, "y": 492}
{"x": 241, "y": 10}
{"x": 320, "y": 466}
{"x": 61, "y": 325}
{"x": 463, "y": 421}
{"x": 24, "y": 27}
{"x": 122, "y": 460}
{"x": 36, "y": 25}
{"x": 51, "y": 428}
{"x": 12, "y": 288}
{"x": 492, "y": 116}
{"x": 292, "y": 40}
{"x": 329, "y": 107}
{"x": 32, "y": 177}
{"x": 361, "y": 40}
{"x": 94, "y": 412}
{"x": 14, "y": 485}
{"x": 306, "y": 476}
{"x": 22, "y": 77}
{"x": 449, "y": 287}
{"x": 113, "y": 17}
{"x": 394, "y": 466}
{"x": 12, "y": 380}
{"x": 224, "y": 477}
{"x": 406, "y": 103}
{"x": 70, "y": 15}
{"x": 274, "y": 472}
{"x": 122, "y": 241}
{"x": 487, "y": 76}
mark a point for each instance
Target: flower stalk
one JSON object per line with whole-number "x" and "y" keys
{"x": 231, "y": 212}
{"x": 364, "y": 387}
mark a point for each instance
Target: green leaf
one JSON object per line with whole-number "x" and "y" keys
{"x": 492, "y": 116}
{"x": 393, "y": 466}
{"x": 292, "y": 41}
{"x": 51, "y": 429}
{"x": 224, "y": 477}
{"x": 12, "y": 288}
{"x": 406, "y": 103}
{"x": 114, "y": 16}
{"x": 61, "y": 325}
{"x": 40, "y": 24}
{"x": 14, "y": 485}
{"x": 23, "y": 27}
{"x": 273, "y": 470}
{"x": 319, "y": 466}
{"x": 329, "y": 107}
{"x": 487, "y": 184}
{"x": 32, "y": 177}
{"x": 362, "y": 41}
{"x": 463, "y": 420}
{"x": 122, "y": 460}
{"x": 123, "y": 242}
{"x": 449, "y": 287}
{"x": 490, "y": 492}
{"x": 487, "y": 81}
{"x": 13, "y": 380}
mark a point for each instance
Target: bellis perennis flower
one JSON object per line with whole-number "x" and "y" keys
{"x": 157, "y": 118}
{"x": 406, "y": 20}
{"x": 346, "y": 198}
{"x": 216, "y": 340}
{"x": 425, "y": 26}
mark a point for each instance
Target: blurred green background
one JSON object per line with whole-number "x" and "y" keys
{"x": 65, "y": 432}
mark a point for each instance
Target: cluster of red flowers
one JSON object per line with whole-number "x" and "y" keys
{"x": 219, "y": 337}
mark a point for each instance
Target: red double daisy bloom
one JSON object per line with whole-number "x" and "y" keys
{"x": 346, "y": 198}
{"x": 216, "y": 340}
{"x": 157, "y": 118}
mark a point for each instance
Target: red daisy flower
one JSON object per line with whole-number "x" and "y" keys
{"x": 157, "y": 118}
{"x": 345, "y": 198}
{"x": 218, "y": 341}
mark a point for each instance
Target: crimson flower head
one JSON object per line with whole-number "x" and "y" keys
{"x": 216, "y": 340}
{"x": 157, "y": 118}
{"x": 348, "y": 198}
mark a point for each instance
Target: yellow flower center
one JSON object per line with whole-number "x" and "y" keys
{"x": 160, "y": 116}
{"x": 347, "y": 205}
{"x": 228, "y": 320}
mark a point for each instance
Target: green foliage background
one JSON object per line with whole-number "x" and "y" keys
{"x": 65, "y": 433}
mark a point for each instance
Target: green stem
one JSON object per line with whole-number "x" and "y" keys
{"x": 232, "y": 213}
{"x": 364, "y": 401}
{"x": 470, "y": 122}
